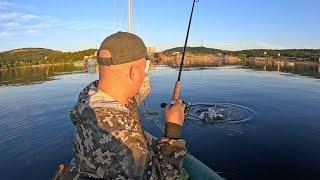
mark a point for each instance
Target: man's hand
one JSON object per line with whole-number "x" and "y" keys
{"x": 175, "y": 113}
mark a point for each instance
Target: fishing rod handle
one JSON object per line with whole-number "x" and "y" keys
{"x": 175, "y": 95}
{"x": 176, "y": 91}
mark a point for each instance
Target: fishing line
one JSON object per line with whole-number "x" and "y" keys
{"x": 208, "y": 113}
{"x": 176, "y": 90}
{"x": 186, "y": 42}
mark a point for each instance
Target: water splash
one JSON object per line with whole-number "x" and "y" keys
{"x": 219, "y": 113}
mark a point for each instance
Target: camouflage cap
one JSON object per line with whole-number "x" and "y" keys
{"x": 120, "y": 48}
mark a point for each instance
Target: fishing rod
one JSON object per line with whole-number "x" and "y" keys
{"x": 177, "y": 87}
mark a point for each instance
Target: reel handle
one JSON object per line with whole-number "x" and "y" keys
{"x": 186, "y": 104}
{"x": 163, "y": 105}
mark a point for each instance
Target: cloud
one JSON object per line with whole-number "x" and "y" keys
{"x": 5, "y": 4}
{"x": 18, "y": 24}
{"x": 9, "y": 16}
{"x": 39, "y": 26}
{"x": 29, "y": 16}
{"x": 48, "y": 25}
{"x": 77, "y": 25}
{"x": 17, "y": 21}
{"x": 11, "y": 25}
{"x": 4, "y": 34}
{"x": 31, "y": 31}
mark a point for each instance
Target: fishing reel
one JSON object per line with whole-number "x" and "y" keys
{"x": 187, "y": 106}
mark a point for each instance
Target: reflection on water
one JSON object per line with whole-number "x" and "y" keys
{"x": 311, "y": 69}
{"x": 31, "y": 75}
{"x": 38, "y": 74}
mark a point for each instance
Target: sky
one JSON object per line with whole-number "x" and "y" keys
{"x": 229, "y": 24}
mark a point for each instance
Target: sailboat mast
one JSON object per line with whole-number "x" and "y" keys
{"x": 129, "y": 16}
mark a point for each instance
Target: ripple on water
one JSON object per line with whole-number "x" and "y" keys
{"x": 206, "y": 114}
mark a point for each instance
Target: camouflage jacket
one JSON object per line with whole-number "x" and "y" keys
{"x": 110, "y": 143}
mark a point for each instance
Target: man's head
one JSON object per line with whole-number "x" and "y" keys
{"x": 122, "y": 63}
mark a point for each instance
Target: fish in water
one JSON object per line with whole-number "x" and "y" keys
{"x": 211, "y": 115}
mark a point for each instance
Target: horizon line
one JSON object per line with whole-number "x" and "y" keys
{"x": 280, "y": 49}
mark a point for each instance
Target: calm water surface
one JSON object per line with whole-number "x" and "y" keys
{"x": 281, "y": 141}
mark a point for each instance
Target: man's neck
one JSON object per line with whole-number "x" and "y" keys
{"x": 113, "y": 92}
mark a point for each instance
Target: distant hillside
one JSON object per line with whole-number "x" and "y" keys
{"x": 42, "y": 50}
{"x": 195, "y": 50}
{"x": 300, "y": 53}
{"x": 34, "y": 56}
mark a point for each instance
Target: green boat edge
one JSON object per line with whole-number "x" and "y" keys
{"x": 195, "y": 168}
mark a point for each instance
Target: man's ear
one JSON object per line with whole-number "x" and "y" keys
{"x": 133, "y": 72}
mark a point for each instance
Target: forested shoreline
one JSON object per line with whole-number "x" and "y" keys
{"x": 308, "y": 54}
{"x": 39, "y": 56}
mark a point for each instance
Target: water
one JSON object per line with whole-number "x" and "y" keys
{"x": 214, "y": 113}
{"x": 280, "y": 141}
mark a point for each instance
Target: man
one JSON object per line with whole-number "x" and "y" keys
{"x": 109, "y": 140}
